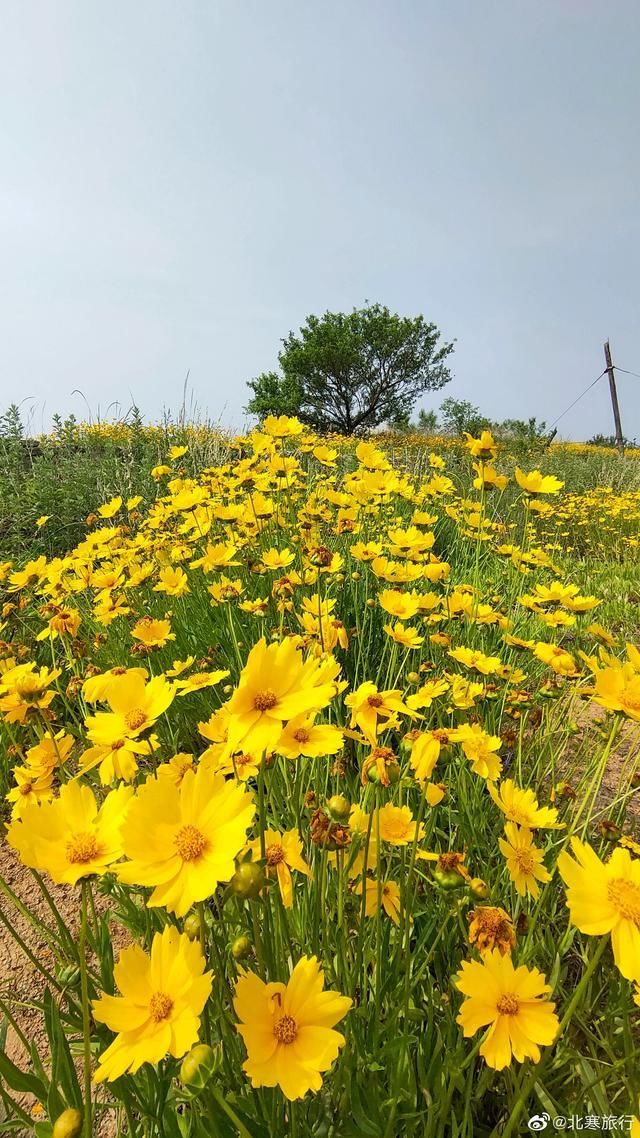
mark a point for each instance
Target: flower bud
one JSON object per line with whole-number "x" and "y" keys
{"x": 479, "y": 888}
{"x": 192, "y": 926}
{"x": 199, "y": 1065}
{"x": 240, "y": 948}
{"x": 448, "y": 880}
{"x": 356, "y": 576}
{"x": 338, "y": 808}
{"x": 68, "y": 975}
{"x": 68, "y": 1124}
{"x": 413, "y": 678}
{"x": 248, "y": 880}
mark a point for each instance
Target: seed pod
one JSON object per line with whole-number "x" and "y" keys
{"x": 338, "y": 808}
{"x": 240, "y": 948}
{"x": 68, "y": 1124}
{"x": 192, "y": 926}
{"x": 247, "y": 881}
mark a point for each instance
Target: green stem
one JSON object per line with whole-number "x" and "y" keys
{"x": 86, "y": 1023}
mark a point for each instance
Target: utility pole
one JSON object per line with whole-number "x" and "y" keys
{"x": 614, "y": 398}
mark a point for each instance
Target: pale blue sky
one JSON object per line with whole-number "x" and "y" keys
{"x": 182, "y": 183}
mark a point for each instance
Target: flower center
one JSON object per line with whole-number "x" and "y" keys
{"x": 82, "y": 848}
{"x": 160, "y": 1006}
{"x": 285, "y": 1029}
{"x": 265, "y": 700}
{"x": 301, "y": 735}
{"x": 135, "y": 718}
{"x": 375, "y": 701}
{"x": 525, "y": 861}
{"x": 274, "y": 854}
{"x": 508, "y": 1005}
{"x": 625, "y": 897}
{"x": 190, "y": 843}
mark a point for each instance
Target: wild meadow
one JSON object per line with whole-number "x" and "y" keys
{"x": 320, "y": 759}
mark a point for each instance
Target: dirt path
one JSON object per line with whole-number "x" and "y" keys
{"x": 20, "y": 980}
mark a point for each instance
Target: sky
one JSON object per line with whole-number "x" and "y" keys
{"x": 182, "y": 183}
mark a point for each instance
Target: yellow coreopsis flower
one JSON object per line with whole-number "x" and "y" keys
{"x": 183, "y": 840}
{"x": 283, "y": 852}
{"x": 557, "y": 658}
{"x": 536, "y": 483}
{"x": 510, "y": 1002}
{"x": 152, "y": 633}
{"x": 484, "y": 447}
{"x": 521, "y": 806}
{"x": 288, "y": 1028}
{"x": 135, "y": 706}
{"x": 604, "y": 897}
{"x": 302, "y": 736}
{"x": 405, "y": 637}
{"x": 618, "y": 689}
{"x": 70, "y": 837}
{"x": 31, "y": 788}
{"x": 172, "y": 581}
{"x": 476, "y": 660}
{"x": 158, "y": 1013}
{"x": 276, "y": 685}
{"x": 389, "y": 895}
{"x": 26, "y": 687}
{"x": 480, "y": 748}
{"x": 524, "y": 860}
{"x": 368, "y": 706}
{"x": 397, "y": 826}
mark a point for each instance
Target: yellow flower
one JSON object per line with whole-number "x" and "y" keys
{"x": 400, "y": 634}
{"x": 117, "y": 758}
{"x": 70, "y": 837}
{"x": 302, "y": 736}
{"x": 135, "y": 706}
{"x": 521, "y": 806}
{"x": 618, "y": 689}
{"x": 389, "y": 899}
{"x": 24, "y": 688}
{"x": 277, "y": 558}
{"x": 31, "y": 788}
{"x": 557, "y": 658}
{"x": 477, "y": 660}
{"x": 173, "y": 581}
{"x": 276, "y": 685}
{"x": 524, "y": 860}
{"x": 479, "y": 748}
{"x": 604, "y": 897}
{"x": 425, "y": 752}
{"x": 510, "y": 1002}
{"x": 182, "y": 840}
{"x": 152, "y": 633}
{"x": 110, "y": 508}
{"x": 368, "y": 705}
{"x": 158, "y": 1013}
{"x": 401, "y": 605}
{"x": 177, "y": 452}
{"x": 536, "y": 483}
{"x": 483, "y": 447}
{"x": 283, "y": 852}
{"x": 288, "y": 1028}
{"x": 397, "y": 825}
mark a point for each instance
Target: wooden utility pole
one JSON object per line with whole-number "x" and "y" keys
{"x": 614, "y": 398}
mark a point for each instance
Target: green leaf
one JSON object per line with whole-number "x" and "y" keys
{"x": 24, "y": 1082}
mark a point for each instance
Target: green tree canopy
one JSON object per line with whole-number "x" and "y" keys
{"x": 351, "y": 372}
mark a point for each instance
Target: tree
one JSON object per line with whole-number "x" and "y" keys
{"x": 458, "y": 416}
{"x": 351, "y": 372}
